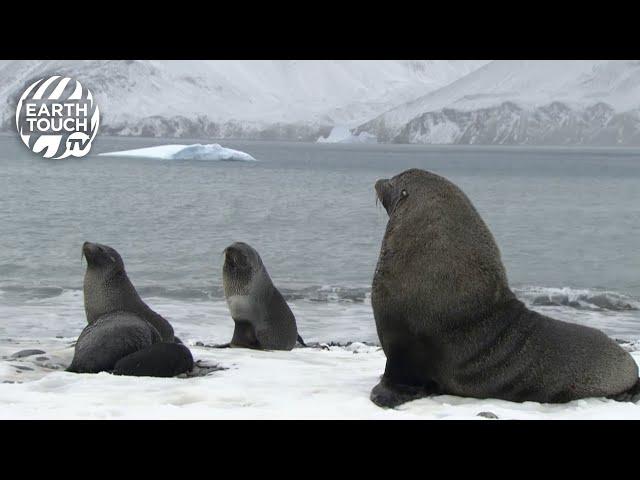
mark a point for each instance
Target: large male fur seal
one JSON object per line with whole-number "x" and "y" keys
{"x": 263, "y": 320}
{"x": 449, "y": 324}
{"x": 123, "y": 334}
{"x": 107, "y": 289}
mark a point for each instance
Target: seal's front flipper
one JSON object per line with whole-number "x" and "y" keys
{"x": 159, "y": 360}
{"x": 244, "y": 335}
{"x": 635, "y": 392}
{"x": 632, "y": 395}
{"x": 389, "y": 395}
{"x": 301, "y": 341}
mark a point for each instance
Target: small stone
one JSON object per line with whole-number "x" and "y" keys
{"x": 199, "y": 344}
{"x": 490, "y": 415}
{"x": 42, "y": 359}
{"x": 27, "y": 353}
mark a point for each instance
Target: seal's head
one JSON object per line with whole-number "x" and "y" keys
{"x": 418, "y": 187}
{"x": 102, "y": 257}
{"x": 437, "y": 250}
{"x": 241, "y": 264}
{"x": 389, "y": 194}
{"x": 106, "y": 285}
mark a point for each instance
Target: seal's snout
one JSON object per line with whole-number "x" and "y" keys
{"x": 383, "y": 192}
{"x": 382, "y": 186}
{"x": 96, "y": 253}
{"x": 89, "y": 250}
{"x": 234, "y": 256}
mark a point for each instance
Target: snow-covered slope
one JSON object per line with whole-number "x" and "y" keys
{"x": 250, "y": 99}
{"x": 524, "y": 102}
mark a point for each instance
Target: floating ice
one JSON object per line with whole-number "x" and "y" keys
{"x": 197, "y": 151}
{"x": 344, "y": 135}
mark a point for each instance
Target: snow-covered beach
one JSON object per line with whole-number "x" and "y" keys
{"x": 323, "y": 382}
{"x": 307, "y": 383}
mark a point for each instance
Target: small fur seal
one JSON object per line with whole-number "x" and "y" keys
{"x": 123, "y": 334}
{"x": 263, "y": 320}
{"x": 107, "y": 289}
{"x": 449, "y": 324}
{"x": 109, "y": 339}
{"x": 125, "y": 344}
{"x": 159, "y": 360}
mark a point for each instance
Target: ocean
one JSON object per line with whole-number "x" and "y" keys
{"x": 567, "y": 221}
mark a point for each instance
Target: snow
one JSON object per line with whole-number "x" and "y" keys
{"x": 316, "y": 383}
{"x": 536, "y": 83}
{"x": 599, "y": 100}
{"x": 306, "y": 383}
{"x": 185, "y": 152}
{"x": 328, "y": 92}
{"x": 529, "y": 84}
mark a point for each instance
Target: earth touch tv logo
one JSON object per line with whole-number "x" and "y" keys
{"x": 57, "y": 118}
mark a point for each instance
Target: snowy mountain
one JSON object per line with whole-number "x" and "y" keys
{"x": 548, "y": 102}
{"x": 524, "y": 102}
{"x": 297, "y": 100}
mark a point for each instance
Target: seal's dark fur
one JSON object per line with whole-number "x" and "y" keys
{"x": 448, "y": 322}
{"x": 123, "y": 334}
{"x": 263, "y": 320}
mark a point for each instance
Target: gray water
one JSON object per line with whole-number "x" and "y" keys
{"x": 562, "y": 217}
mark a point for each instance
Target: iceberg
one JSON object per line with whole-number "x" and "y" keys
{"x": 213, "y": 151}
{"x": 344, "y": 135}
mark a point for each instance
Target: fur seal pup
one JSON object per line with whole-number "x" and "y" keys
{"x": 263, "y": 320}
{"x": 109, "y": 339}
{"x": 123, "y": 334}
{"x": 107, "y": 289}
{"x": 159, "y": 360}
{"x": 125, "y": 344}
{"x": 449, "y": 324}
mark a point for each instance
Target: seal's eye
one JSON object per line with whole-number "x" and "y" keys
{"x": 404, "y": 193}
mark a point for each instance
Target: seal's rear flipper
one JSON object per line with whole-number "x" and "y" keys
{"x": 632, "y": 395}
{"x": 301, "y": 341}
{"x": 389, "y": 395}
{"x": 158, "y": 360}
